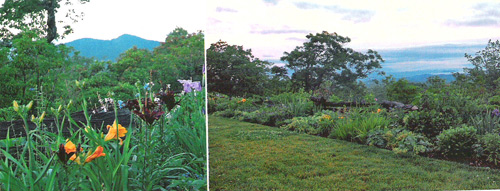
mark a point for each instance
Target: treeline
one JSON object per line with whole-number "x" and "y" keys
{"x": 325, "y": 67}
{"x": 33, "y": 69}
{"x": 321, "y": 63}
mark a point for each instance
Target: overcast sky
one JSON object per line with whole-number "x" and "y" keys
{"x": 149, "y": 19}
{"x": 270, "y": 27}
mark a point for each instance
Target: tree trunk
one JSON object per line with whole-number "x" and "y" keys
{"x": 50, "y": 6}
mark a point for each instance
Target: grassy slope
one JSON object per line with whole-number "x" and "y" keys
{"x": 246, "y": 156}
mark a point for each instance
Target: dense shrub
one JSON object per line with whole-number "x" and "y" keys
{"x": 490, "y": 147}
{"x": 457, "y": 142}
{"x": 401, "y": 90}
{"x": 439, "y": 111}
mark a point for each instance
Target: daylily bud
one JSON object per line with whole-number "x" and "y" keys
{"x": 77, "y": 83}
{"x": 43, "y": 116}
{"x": 16, "y": 106}
{"x": 70, "y": 103}
{"x": 30, "y": 104}
{"x": 32, "y": 117}
{"x": 59, "y": 109}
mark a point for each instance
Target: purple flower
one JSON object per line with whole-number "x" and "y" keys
{"x": 495, "y": 113}
{"x": 190, "y": 85}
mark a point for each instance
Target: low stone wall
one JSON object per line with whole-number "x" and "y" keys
{"x": 98, "y": 121}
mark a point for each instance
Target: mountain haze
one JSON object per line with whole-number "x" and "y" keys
{"x": 416, "y": 64}
{"x": 110, "y": 49}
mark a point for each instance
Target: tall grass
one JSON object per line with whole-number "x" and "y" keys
{"x": 298, "y": 104}
{"x": 355, "y": 125}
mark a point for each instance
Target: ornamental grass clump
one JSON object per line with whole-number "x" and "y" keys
{"x": 356, "y": 125}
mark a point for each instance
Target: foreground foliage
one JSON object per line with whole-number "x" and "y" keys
{"x": 168, "y": 152}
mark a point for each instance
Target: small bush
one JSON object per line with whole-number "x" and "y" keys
{"x": 457, "y": 142}
{"x": 410, "y": 142}
{"x": 430, "y": 122}
{"x": 399, "y": 140}
{"x": 490, "y": 144}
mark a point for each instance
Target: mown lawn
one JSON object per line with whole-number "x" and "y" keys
{"x": 246, "y": 156}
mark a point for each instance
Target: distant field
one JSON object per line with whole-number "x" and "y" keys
{"x": 246, "y": 156}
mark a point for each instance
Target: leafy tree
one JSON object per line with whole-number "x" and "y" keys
{"x": 234, "y": 71}
{"x": 30, "y": 66}
{"x": 483, "y": 78}
{"x": 181, "y": 56}
{"x": 279, "y": 82}
{"x": 323, "y": 57}
{"x": 185, "y": 50}
{"x": 401, "y": 90}
{"x": 38, "y": 16}
{"x": 133, "y": 65}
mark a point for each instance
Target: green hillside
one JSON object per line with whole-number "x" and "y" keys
{"x": 110, "y": 49}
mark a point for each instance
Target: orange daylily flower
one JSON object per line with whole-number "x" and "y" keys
{"x": 97, "y": 153}
{"x": 115, "y": 131}
{"x": 69, "y": 147}
{"x": 379, "y": 110}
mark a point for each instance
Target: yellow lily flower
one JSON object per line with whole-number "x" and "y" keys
{"x": 115, "y": 131}
{"x": 16, "y": 106}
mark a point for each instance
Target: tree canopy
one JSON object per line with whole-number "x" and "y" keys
{"x": 233, "y": 70}
{"x": 38, "y": 16}
{"x": 324, "y": 57}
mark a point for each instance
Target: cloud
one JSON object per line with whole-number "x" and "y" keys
{"x": 296, "y": 39}
{"x": 222, "y": 9}
{"x": 213, "y": 21}
{"x": 483, "y": 22}
{"x": 273, "y": 2}
{"x": 281, "y": 31}
{"x": 485, "y": 14}
{"x": 355, "y": 15}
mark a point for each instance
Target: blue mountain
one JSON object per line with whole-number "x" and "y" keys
{"x": 110, "y": 49}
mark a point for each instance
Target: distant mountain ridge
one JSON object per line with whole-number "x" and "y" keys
{"x": 416, "y": 64}
{"x": 110, "y": 49}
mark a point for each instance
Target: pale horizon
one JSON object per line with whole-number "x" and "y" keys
{"x": 271, "y": 27}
